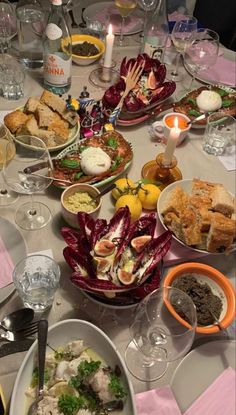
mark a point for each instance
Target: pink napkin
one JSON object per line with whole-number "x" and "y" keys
{"x": 177, "y": 252}
{"x": 6, "y": 266}
{"x": 219, "y": 398}
{"x": 111, "y": 13}
{"x": 223, "y": 72}
{"x": 159, "y": 401}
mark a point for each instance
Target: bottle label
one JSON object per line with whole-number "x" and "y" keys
{"x": 57, "y": 71}
{"x": 53, "y": 31}
{"x": 56, "y": 2}
{"x": 154, "y": 51}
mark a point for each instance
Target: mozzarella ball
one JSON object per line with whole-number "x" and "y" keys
{"x": 209, "y": 101}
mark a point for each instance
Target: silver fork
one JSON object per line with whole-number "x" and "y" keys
{"x": 11, "y": 336}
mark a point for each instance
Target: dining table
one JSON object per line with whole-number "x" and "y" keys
{"x": 70, "y": 302}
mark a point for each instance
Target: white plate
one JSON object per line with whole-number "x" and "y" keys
{"x": 16, "y": 247}
{"x": 186, "y": 185}
{"x": 59, "y": 334}
{"x": 199, "y": 369}
{"x": 98, "y": 11}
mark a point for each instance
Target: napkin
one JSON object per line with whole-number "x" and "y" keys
{"x": 228, "y": 159}
{"x": 219, "y": 397}
{"x": 223, "y": 72}
{"x": 177, "y": 253}
{"x": 6, "y": 267}
{"x": 111, "y": 12}
{"x": 159, "y": 401}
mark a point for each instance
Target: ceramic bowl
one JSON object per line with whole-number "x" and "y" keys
{"x": 71, "y": 217}
{"x": 87, "y": 60}
{"x": 219, "y": 285}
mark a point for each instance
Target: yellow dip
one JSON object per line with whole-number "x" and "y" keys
{"x": 80, "y": 202}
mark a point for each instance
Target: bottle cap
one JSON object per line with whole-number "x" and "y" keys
{"x": 56, "y": 2}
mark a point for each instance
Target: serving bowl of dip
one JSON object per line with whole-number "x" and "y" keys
{"x": 86, "y": 49}
{"x": 80, "y": 198}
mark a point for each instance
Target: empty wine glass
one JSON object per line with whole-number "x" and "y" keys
{"x": 125, "y": 7}
{"x": 27, "y": 173}
{"x": 181, "y": 36}
{"x": 202, "y": 52}
{"x": 8, "y": 26}
{"x": 147, "y": 6}
{"x": 162, "y": 331}
{"x": 7, "y": 197}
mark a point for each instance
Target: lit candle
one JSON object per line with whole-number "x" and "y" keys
{"x": 171, "y": 142}
{"x": 109, "y": 47}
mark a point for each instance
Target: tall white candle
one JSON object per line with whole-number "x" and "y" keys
{"x": 171, "y": 142}
{"x": 109, "y": 47}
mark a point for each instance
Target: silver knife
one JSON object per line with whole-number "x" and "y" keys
{"x": 15, "y": 347}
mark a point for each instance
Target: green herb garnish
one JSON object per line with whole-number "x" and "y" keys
{"x": 60, "y": 355}
{"x": 86, "y": 369}
{"x": 78, "y": 175}
{"x": 35, "y": 377}
{"x": 69, "y": 405}
{"x": 117, "y": 162}
{"x": 227, "y": 102}
{"x": 82, "y": 148}
{"x": 111, "y": 142}
{"x": 221, "y": 92}
{"x": 192, "y": 101}
{"x": 75, "y": 382}
{"x": 71, "y": 164}
{"x": 116, "y": 387}
{"x": 194, "y": 113}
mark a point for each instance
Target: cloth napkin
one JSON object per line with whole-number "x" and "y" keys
{"x": 228, "y": 159}
{"x": 111, "y": 13}
{"x": 6, "y": 266}
{"x": 218, "y": 398}
{"x": 177, "y": 253}
{"x": 223, "y": 72}
{"x": 159, "y": 401}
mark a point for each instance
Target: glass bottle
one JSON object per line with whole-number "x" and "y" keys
{"x": 156, "y": 32}
{"x": 57, "y": 51}
{"x": 30, "y": 27}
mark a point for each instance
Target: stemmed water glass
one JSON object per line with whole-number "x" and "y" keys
{"x": 201, "y": 53}
{"x": 147, "y": 6}
{"x": 8, "y": 26}
{"x": 162, "y": 331}
{"x": 27, "y": 173}
{"x": 181, "y": 36}
{"x": 7, "y": 151}
{"x": 125, "y": 7}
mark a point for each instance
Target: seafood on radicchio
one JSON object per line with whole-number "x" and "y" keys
{"x": 117, "y": 256}
{"x": 150, "y": 89}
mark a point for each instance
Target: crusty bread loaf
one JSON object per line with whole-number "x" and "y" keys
{"x": 222, "y": 201}
{"x": 174, "y": 201}
{"x": 202, "y": 188}
{"x": 47, "y": 136}
{"x": 31, "y": 105}
{"x": 221, "y": 234}
{"x": 29, "y": 128}
{"x": 61, "y": 132}
{"x": 190, "y": 227}
{"x": 15, "y": 120}
{"x": 57, "y": 104}
{"x": 44, "y": 115}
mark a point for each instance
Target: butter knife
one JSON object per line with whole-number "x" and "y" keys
{"x": 15, "y": 347}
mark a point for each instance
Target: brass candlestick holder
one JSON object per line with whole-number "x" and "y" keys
{"x": 158, "y": 171}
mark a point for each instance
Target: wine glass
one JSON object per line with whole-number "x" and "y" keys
{"x": 202, "y": 52}
{"x": 162, "y": 331}
{"x": 147, "y": 6}
{"x": 26, "y": 173}
{"x": 125, "y": 7}
{"x": 8, "y": 26}
{"x": 181, "y": 37}
{"x": 7, "y": 197}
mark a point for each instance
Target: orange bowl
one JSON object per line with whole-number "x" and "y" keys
{"x": 219, "y": 285}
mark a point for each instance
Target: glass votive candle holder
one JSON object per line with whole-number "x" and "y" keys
{"x": 36, "y": 279}
{"x": 13, "y": 78}
{"x": 220, "y": 131}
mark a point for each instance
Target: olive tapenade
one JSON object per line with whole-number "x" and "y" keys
{"x": 85, "y": 49}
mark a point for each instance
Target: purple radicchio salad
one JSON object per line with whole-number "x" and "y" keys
{"x": 116, "y": 257}
{"x": 151, "y": 88}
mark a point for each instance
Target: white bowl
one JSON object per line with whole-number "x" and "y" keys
{"x": 71, "y": 217}
{"x": 60, "y": 334}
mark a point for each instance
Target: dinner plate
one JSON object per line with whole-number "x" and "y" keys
{"x": 16, "y": 247}
{"x": 103, "y": 182}
{"x": 199, "y": 369}
{"x": 106, "y": 12}
{"x": 186, "y": 185}
{"x": 60, "y": 334}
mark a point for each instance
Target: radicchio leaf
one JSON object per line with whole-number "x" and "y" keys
{"x": 118, "y": 225}
{"x": 71, "y": 237}
{"x": 79, "y": 264}
{"x": 163, "y": 91}
{"x": 160, "y": 74}
{"x": 86, "y": 225}
{"x": 99, "y": 230}
{"x": 94, "y": 285}
{"x": 133, "y": 103}
{"x": 148, "y": 287}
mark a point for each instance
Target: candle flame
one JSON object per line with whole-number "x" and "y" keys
{"x": 176, "y": 122}
{"x": 110, "y": 29}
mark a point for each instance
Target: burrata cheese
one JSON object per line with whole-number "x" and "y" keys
{"x": 209, "y": 101}
{"x": 95, "y": 162}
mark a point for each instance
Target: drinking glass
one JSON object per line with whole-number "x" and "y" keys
{"x": 28, "y": 172}
{"x": 181, "y": 37}
{"x": 7, "y": 197}
{"x": 36, "y": 279}
{"x": 220, "y": 131}
{"x": 147, "y": 6}
{"x": 201, "y": 53}
{"x": 125, "y": 7}
{"x": 162, "y": 331}
{"x": 8, "y": 27}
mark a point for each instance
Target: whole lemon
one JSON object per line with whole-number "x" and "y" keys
{"x": 123, "y": 186}
{"x": 133, "y": 203}
{"x": 148, "y": 196}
